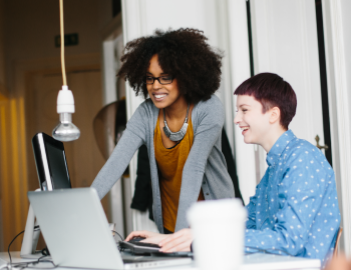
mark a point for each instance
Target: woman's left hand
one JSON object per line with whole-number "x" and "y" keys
{"x": 179, "y": 241}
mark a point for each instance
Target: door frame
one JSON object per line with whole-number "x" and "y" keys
{"x": 337, "y": 58}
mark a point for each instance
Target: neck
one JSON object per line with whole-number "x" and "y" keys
{"x": 272, "y": 137}
{"x": 177, "y": 110}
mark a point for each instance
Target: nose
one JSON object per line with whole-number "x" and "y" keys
{"x": 237, "y": 118}
{"x": 156, "y": 85}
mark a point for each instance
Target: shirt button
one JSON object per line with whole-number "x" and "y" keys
{"x": 207, "y": 193}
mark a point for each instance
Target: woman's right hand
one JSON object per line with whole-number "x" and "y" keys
{"x": 178, "y": 241}
{"x": 150, "y": 237}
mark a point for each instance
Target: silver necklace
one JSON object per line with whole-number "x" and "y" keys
{"x": 176, "y": 136}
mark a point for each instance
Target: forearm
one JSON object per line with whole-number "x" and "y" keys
{"x": 117, "y": 163}
{"x": 281, "y": 241}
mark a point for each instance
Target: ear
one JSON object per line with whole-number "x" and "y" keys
{"x": 274, "y": 116}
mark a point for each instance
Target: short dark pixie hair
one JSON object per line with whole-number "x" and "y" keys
{"x": 271, "y": 91}
{"x": 182, "y": 53}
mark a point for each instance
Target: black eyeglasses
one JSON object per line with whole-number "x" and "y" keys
{"x": 162, "y": 79}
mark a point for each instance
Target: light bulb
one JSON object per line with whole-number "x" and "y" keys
{"x": 65, "y": 131}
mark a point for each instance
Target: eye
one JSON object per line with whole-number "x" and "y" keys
{"x": 166, "y": 79}
{"x": 149, "y": 79}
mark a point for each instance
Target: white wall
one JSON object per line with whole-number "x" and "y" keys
{"x": 345, "y": 8}
{"x": 285, "y": 42}
{"x": 239, "y": 72}
{"x": 337, "y": 38}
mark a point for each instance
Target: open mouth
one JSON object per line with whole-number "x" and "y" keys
{"x": 244, "y": 130}
{"x": 159, "y": 97}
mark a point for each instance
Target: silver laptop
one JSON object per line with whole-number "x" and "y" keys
{"x": 77, "y": 233}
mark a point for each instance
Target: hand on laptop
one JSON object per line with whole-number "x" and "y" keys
{"x": 179, "y": 241}
{"x": 150, "y": 237}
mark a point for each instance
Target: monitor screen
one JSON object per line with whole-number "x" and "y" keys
{"x": 58, "y": 167}
{"x": 51, "y": 162}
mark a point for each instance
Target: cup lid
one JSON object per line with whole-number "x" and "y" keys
{"x": 214, "y": 209}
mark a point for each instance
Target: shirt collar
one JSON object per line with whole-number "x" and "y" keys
{"x": 278, "y": 147}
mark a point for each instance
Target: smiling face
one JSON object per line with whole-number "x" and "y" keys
{"x": 162, "y": 95}
{"x": 254, "y": 124}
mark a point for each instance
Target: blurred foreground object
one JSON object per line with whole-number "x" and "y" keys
{"x": 218, "y": 228}
{"x": 339, "y": 263}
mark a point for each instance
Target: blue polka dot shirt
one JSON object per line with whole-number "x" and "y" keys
{"x": 295, "y": 209}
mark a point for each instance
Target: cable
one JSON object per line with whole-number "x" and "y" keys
{"x": 39, "y": 261}
{"x": 118, "y": 235}
{"x": 63, "y": 66}
{"x": 24, "y": 265}
{"x": 8, "y": 249}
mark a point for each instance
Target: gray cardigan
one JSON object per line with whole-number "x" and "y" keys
{"x": 205, "y": 166}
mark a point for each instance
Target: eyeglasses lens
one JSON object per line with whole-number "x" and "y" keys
{"x": 161, "y": 80}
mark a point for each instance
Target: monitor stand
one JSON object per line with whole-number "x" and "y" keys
{"x": 31, "y": 237}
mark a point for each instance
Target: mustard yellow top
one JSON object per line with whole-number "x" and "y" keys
{"x": 170, "y": 162}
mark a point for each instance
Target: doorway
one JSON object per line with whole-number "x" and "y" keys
{"x": 83, "y": 156}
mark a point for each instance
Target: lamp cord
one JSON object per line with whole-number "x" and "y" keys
{"x": 63, "y": 67}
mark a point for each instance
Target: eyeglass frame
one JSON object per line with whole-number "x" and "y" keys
{"x": 158, "y": 79}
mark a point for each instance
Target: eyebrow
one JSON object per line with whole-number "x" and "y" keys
{"x": 243, "y": 105}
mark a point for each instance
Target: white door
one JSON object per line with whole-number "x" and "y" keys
{"x": 285, "y": 42}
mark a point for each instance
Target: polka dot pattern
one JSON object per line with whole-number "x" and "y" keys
{"x": 295, "y": 208}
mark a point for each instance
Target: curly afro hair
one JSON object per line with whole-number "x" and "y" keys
{"x": 183, "y": 53}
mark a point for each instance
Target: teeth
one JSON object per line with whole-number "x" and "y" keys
{"x": 159, "y": 96}
{"x": 244, "y": 128}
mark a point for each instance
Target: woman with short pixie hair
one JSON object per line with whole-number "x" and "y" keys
{"x": 180, "y": 122}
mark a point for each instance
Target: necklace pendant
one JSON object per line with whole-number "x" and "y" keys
{"x": 175, "y": 136}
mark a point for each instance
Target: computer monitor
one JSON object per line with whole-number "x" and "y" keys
{"x": 50, "y": 159}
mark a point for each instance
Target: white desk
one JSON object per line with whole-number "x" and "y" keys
{"x": 256, "y": 261}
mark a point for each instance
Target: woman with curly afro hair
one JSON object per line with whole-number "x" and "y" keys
{"x": 180, "y": 122}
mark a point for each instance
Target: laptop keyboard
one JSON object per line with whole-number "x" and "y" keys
{"x": 136, "y": 261}
{"x": 142, "y": 244}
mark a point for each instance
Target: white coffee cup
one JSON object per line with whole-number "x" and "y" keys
{"x": 218, "y": 229}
